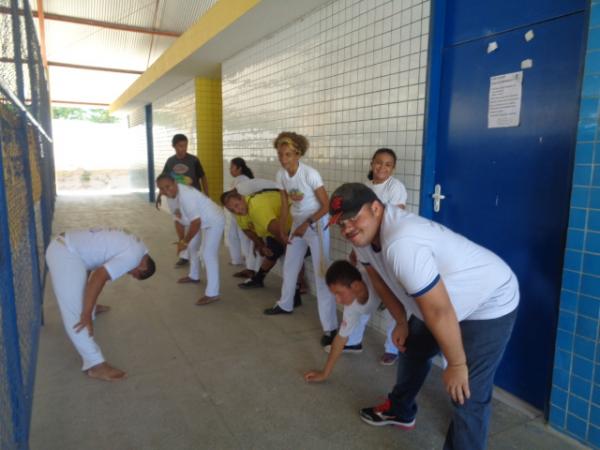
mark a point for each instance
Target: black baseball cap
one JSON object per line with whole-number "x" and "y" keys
{"x": 346, "y": 201}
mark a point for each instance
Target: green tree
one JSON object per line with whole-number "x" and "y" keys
{"x": 96, "y": 115}
{"x": 101, "y": 116}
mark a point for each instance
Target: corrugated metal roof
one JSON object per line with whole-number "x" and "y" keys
{"x": 134, "y": 13}
{"x": 80, "y": 44}
{"x": 176, "y": 16}
{"x": 92, "y": 45}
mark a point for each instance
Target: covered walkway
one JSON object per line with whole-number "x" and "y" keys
{"x": 220, "y": 376}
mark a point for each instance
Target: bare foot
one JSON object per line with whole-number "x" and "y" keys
{"x": 106, "y": 372}
{"x": 102, "y": 309}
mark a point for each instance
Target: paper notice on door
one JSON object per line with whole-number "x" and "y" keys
{"x": 504, "y": 108}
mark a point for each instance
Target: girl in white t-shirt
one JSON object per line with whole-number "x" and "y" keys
{"x": 389, "y": 189}
{"x": 303, "y": 186}
{"x": 240, "y": 247}
{"x": 391, "y": 192}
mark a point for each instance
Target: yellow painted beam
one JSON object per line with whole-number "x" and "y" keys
{"x": 213, "y": 22}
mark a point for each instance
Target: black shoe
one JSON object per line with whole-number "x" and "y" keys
{"x": 327, "y": 338}
{"x": 276, "y": 310}
{"x": 181, "y": 263}
{"x": 347, "y": 348}
{"x": 380, "y": 416}
{"x": 251, "y": 283}
{"x": 297, "y": 299}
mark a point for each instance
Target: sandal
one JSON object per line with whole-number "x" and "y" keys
{"x": 187, "y": 280}
{"x": 207, "y": 300}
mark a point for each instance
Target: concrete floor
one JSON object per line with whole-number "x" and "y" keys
{"x": 224, "y": 375}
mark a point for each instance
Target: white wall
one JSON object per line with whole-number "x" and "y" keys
{"x": 350, "y": 76}
{"x": 173, "y": 113}
{"x": 111, "y": 154}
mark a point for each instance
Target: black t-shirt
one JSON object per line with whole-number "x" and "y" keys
{"x": 186, "y": 171}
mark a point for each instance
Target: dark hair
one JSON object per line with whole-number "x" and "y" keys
{"x": 165, "y": 176}
{"x": 239, "y": 162}
{"x": 297, "y": 141}
{"x": 379, "y": 151}
{"x": 225, "y": 196}
{"x": 178, "y": 138}
{"x": 150, "y": 269}
{"x": 342, "y": 272}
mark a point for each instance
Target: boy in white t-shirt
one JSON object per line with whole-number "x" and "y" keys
{"x": 463, "y": 299}
{"x": 193, "y": 211}
{"x": 352, "y": 289}
{"x": 80, "y": 264}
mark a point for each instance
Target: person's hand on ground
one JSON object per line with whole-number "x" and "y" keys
{"x": 314, "y": 376}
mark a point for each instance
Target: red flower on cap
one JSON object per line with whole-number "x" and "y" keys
{"x": 336, "y": 203}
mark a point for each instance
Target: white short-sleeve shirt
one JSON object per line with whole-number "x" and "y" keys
{"x": 237, "y": 180}
{"x": 191, "y": 204}
{"x": 352, "y": 313}
{"x": 254, "y": 185}
{"x": 301, "y": 190}
{"x": 116, "y": 249}
{"x": 418, "y": 252}
{"x": 390, "y": 192}
{"x": 367, "y": 256}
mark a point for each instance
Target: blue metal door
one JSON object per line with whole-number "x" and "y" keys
{"x": 508, "y": 188}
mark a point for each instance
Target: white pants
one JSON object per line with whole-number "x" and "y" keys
{"x": 184, "y": 254}
{"x": 69, "y": 278}
{"x": 357, "y": 335}
{"x": 294, "y": 257}
{"x": 210, "y": 255}
{"x": 234, "y": 240}
{"x": 253, "y": 262}
{"x": 192, "y": 255}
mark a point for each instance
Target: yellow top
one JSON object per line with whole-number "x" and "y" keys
{"x": 262, "y": 209}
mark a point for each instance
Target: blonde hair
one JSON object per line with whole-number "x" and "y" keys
{"x": 296, "y": 141}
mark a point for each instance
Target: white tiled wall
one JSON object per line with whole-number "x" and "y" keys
{"x": 173, "y": 113}
{"x": 350, "y": 76}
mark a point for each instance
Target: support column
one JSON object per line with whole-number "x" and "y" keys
{"x": 150, "y": 150}
{"x": 209, "y": 133}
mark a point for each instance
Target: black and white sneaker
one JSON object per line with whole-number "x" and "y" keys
{"x": 251, "y": 283}
{"x": 347, "y": 348}
{"x": 327, "y": 338}
{"x": 275, "y": 310}
{"x": 380, "y": 416}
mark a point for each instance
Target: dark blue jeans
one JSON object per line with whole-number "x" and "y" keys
{"x": 484, "y": 342}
